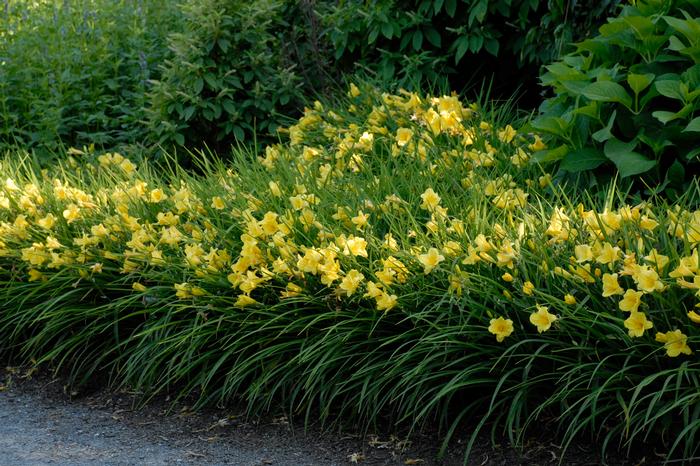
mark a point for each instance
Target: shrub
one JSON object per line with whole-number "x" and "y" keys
{"x": 628, "y": 98}
{"x": 239, "y": 68}
{"x": 399, "y": 257}
{"x": 76, "y": 73}
{"x": 433, "y": 39}
{"x": 230, "y": 77}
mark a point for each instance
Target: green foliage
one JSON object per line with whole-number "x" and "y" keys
{"x": 239, "y": 68}
{"x": 427, "y": 39}
{"x": 234, "y": 283}
{"x": 629, "y": 98}
{"x": 76, "y": 73}
{"x": 230, "y": 76}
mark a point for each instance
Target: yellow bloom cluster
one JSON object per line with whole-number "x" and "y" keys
{"x": 398, "y": 202}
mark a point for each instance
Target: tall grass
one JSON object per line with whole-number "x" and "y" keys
{"x": 399, "y": 259}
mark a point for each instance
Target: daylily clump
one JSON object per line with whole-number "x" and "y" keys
{"x": 297, "y": 237}
{"x": 399, "y": 212}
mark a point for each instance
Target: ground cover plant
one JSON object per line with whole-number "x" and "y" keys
{"x": 397, "y": 258}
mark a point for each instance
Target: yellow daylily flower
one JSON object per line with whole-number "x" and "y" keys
{"x": 501, "y": 328}
{"x": 637, "y": 323}
{"x": 542, "y": 319}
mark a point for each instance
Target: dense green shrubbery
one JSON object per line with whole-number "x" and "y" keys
{"x": 231, "y": 75}
{"x": 630, "y": 98}
{"x": 433, "y": 39}
{"x": 239, "y": 67}
{"x": 76, "y": 73}
{"x": 235, "y": 70}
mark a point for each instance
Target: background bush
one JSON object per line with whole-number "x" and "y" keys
{"x": 629, "y": 99}
{"x": 231, "y": 74}
{"x": 238, "y": 68}
{"x": 76, "y": 73}
{"x": 457, "y": 39}
{"x": 219, "y": 71}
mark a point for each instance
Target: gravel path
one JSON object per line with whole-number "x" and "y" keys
{"x": 36, "y": 432}
{"x": 42, "y": 425}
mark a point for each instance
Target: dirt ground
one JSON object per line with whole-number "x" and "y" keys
{"x": 40, "y": 424}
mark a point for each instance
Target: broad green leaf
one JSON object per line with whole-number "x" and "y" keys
{"x": 627, "y": 161}
{"x": 238, "y": 133}
{"x": 692, "y": 154}
{"x": 373, "y": 35}
{"x": 462, "y": 47}
{"x": 665, "y": 117}
{"x": 642, "y": 26}
{"x": 550, "y": 155}
{"x": 224, "y": 44}
{"x": 553, "y": 125}
{"x": 692, "y": 77}
{"x": 387, "y": 30}
{"x": 676, "y": 173}
{"x": 433, "y": 37}
{"x": 694, "y": 125}
{"x": 574, "y": 61}
{"x": 478, "y": 12}
{"x": 690, "y": 28}
{"x": 653, "y": 43}
{"x": 187, "y": 114}
{"x": 616, "y": 32}
{"x": 475, "y": 43}
{"x": 669, "y": 88}
{"x": 211, "y": 80}
{"x": 565, "y": 73}
{"x": 583, "y": 159}
{"x": 614, "y": 148}
{"x": 590, "y": 110}
{"x": 675, "y": 44}
{"x": 491, "y": 46}
{"x": 451, "y": 7}
{"x": 574, "y": 87}
{"x": 607, "y": 91}
{"x": 613, "y": 28}
{"x": 198, "y": 85}
{"x": 639, "y": 82}
{"x": 692, "y": 52}
{"x": 417, "y": 40}
{"x": 595, "y": 47}
{"x": 656, "y": 142}
{"x": 604, "y": 134}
